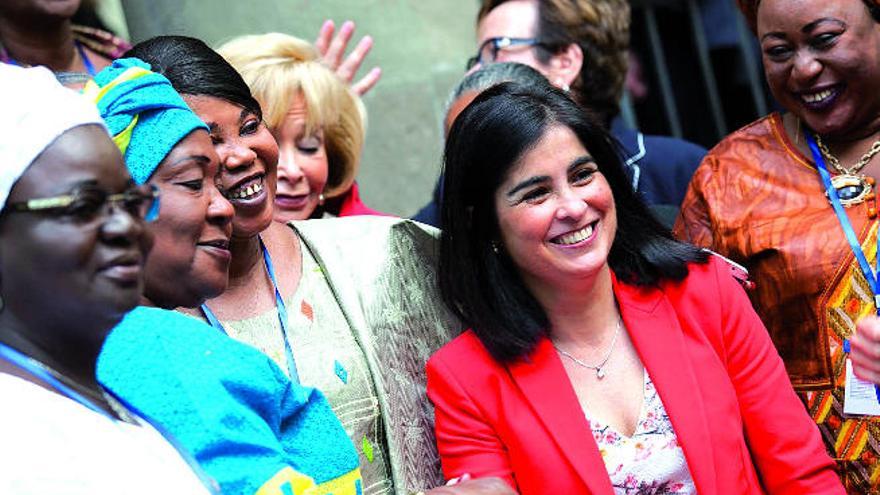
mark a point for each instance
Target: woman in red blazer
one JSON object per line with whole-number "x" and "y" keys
{"x": 603, "y": 356}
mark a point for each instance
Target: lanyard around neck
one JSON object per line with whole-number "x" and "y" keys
{"x": 282, "y": 314}
{"x": 33, "y": 367}
{"x": 38, "y": 370}
{"x": 87, "y": 63}
{"x": 871, "y": 275}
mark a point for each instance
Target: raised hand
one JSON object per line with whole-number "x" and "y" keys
{"x": 332, "y": 49}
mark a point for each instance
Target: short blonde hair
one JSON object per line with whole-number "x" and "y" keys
{"x": 277, "y": 67}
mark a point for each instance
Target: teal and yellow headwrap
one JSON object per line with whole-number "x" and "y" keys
{"x": 145, "y": 115}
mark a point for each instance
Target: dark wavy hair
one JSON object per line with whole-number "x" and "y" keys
{"x": 484, "y": 288}
{"x": 195, "y": 69}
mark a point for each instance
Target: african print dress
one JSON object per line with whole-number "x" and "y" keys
{"x": 759, "y": 201}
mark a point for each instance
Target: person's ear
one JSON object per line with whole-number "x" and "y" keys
{"x": 565, "y": 66}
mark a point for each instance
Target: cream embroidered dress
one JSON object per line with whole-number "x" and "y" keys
{"x": 328, "y": 358}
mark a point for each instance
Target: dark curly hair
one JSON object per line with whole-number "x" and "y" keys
{"x": 749, "y": 9}
{"x": 601, "y": 29}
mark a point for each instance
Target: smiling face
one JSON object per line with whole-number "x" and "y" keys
{"x": 190, "y": 259}
{"x": 56, "y": 268}
{"x": 302, "y": 166}
{"x": 822, "y": 62}
{"x": 248, "y": 156}
{"x": 556, "y": 213}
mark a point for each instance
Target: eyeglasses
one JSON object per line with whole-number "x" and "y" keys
{"x": 488, "y": 51}
{"x": 88, "y": 204}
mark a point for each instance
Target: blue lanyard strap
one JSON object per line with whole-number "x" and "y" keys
{"x": 34, "y": 368}
{"x": 282, "y": 314}
{"x": 87, "y": 63}
{"x": 872, "y": 276}
{"x": 90, "y": 68}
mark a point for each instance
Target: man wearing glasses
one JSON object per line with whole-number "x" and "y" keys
{"x": 581, "y": 47}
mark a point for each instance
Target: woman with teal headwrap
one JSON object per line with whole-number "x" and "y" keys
{"x": 247, "y": 425}
{"x": 73, "y": 239}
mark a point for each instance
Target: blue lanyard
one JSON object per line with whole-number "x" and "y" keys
{"x": 871, "y": 275}
{"x": 90, "y": 68}
{"x": 282, "y": 315}
{"x": 34, "y": 368}
{"x": 85, "y": 58}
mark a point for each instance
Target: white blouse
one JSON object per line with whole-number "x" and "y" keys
{"x": 52, "y": 444}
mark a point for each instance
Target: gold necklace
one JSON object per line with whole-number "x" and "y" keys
{"x": 859, "y": 165}
{"x": 853, "y": 187}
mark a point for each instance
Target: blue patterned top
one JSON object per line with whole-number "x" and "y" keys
{"x": 246, "y": 424}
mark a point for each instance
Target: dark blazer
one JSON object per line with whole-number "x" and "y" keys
{"x": 740, "y": 425}
{"x": 659, "y": 167}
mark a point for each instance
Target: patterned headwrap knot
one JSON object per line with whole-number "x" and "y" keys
{"x": 145, "y": 115}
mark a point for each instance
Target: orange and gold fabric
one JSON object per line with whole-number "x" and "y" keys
{"x": 759, "y": 201}
{"x": 854, "y": 441}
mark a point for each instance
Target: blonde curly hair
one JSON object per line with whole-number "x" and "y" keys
{"x": 601, "y": 29}
{"x": 277, "y": 67}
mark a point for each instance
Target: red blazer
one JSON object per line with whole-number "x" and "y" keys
{"x": 740, "y": 424}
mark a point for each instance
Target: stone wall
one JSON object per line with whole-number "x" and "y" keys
{"x": 421, "y": 46}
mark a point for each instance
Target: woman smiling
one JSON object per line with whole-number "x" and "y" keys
{"x": 598, "y": 359}
{"x": 348, "y": 306}
{"x": 792, "y": 197}
{"x": 72, "y": 245}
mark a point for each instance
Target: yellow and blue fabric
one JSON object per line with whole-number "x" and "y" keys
{"x": 247, "y": 425}
{"x": 145, "y": 115}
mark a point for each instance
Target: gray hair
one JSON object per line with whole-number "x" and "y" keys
{"x": 492, "y": 74}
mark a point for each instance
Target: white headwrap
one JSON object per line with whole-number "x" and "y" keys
{"x": 34, "y": 110}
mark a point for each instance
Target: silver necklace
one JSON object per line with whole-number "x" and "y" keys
{"x": 598, "y": 368}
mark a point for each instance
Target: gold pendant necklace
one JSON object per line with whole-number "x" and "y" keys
{"x": 852, "y": 186}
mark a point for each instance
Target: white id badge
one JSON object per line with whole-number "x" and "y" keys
{"x": 859, "y": 396}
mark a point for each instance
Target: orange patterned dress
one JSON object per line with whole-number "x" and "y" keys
{"x": 759, "y": 201}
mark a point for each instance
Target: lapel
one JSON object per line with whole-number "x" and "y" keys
{"x": 660, "y": 342}
{"x": 366, "y": 261}
{"x": 546, "y": 388}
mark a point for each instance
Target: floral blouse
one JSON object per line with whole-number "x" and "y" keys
{"x": 651, "y": 460}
